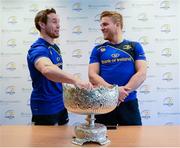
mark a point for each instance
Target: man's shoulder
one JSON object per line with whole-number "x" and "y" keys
{"x": 130, "y": 42}
{"x": 99, "y": 46}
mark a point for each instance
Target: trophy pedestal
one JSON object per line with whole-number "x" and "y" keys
{"x": 84, "y": 133}
{"x": 90, "y": 132}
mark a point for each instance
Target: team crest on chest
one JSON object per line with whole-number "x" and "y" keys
{"x": 127, "y": 47}
{"x": 115, "y": 55}
{"x": 58, "y": 59}
{"x": 103, "y": 49}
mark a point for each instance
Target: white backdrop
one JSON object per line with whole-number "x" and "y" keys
{"x": 154, "y": 23}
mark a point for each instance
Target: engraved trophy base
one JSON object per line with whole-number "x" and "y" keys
{"x": 85, "y": 133}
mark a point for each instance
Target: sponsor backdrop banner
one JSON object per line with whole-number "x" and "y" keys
{"x": 153, "y": 23}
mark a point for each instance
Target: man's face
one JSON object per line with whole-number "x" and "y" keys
{"x": 52, "y": 27}
{"x": 108, "y": 28}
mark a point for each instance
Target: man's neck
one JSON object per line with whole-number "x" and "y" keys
{"x": 48, "y": 39}
{"x": 117, "y": 39}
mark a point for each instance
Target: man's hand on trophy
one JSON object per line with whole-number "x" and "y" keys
{"x": 83, "y": 84}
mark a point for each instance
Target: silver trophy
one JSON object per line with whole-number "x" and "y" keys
{"x": 98, "y": 100}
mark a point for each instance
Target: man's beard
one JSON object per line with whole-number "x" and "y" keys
{"x": 54, "y": 36}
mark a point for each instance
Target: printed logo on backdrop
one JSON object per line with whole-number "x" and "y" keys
{"x": 167, "y": 52}
{"x": 26, "y": 90}
{"x": 25, "y": 115}
{"x": 11, "y": 66}
{"x": 142, "y": 17}
{"x": 165, "y": 4}
{"x": 98, "y": 6}
{"x": 33, "y": 8}
{"x": 120, "y": 5}
{"x": 33, "y": 31}
{"x": 11, "y": 43}
{"x": 28, "y": 102}
{"x": 10, "y": 90}
{"x": 97, "y": 17}
{"x": 166, "y": 28}
{"x": 167, "y": 76}
{"x": 145, "y": 89}
{"x": 12, "y": 20}
{"x": 94, "y": 29}
{"x": 78, "y": 75}
{"x": 76, "y": 7}
{"x": 143, "y": 40}
{"x": 29, "y": 78}
{"x": 27, "y": 42}
{"x": 168, "y": 101}
{"x": 99, "y": 40}
{"x": 10, "y": 114}
{"x": 145, "y": 114}
{"x": 77, "y": 30}
{"x": 77, "y": 53}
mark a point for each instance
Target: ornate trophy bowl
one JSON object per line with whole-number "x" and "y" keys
{"x": 90, "y": 102}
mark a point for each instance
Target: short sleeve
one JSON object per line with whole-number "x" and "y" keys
{"x": 139, "y": 52}
{"x": 95, "y": 56}
{"x": 35, "y": 53}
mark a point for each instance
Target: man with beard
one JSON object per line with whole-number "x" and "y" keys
{"x": 45, "y": 66}
{"x": 121, "y": 62}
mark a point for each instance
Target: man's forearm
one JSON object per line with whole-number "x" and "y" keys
{"x": 98, "y": 81}
{"x": 55, "y": 74}
{"x": 136, "y": 81}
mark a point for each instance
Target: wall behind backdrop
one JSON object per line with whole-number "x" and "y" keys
{"x": 154, "y": 23}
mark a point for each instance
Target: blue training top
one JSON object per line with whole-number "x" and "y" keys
{"x": 117, "y": 62}
{"x": 47, "y": 96}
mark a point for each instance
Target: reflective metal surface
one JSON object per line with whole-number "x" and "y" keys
{"x": 90, "y": 102}
{"x": 98, "y": 100}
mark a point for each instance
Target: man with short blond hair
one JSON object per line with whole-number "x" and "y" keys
{"x": 118, "y": 62}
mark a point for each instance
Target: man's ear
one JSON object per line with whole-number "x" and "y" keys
{"x": 42, "y": 25}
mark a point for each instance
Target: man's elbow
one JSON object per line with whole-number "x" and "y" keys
{"x": 46, "y": 71}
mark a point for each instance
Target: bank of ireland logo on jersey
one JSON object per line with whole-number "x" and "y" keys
{"x": 168, "y": 101}
{"x": 143, "y": 40}
{"x": 145, "y": 89}
{"x": 11, "y": 66}
{"x": 77, "y": 30}
{"x": 145, "y": 114}
{"x": 10, "y": 114}
{"x": 167, "y": 76}
{"x": 11, "y": 43}
{"x": 76, "y": 7}
{"x": 10, "y": 90}
{"x": 166, "y": 28}
{"x": 167, "y": 52}
{"x": 165, "y": 4}
{"x": 12, "y": 20}
{"x": 115, "y": 55}
{"x": 77, "y": 53}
